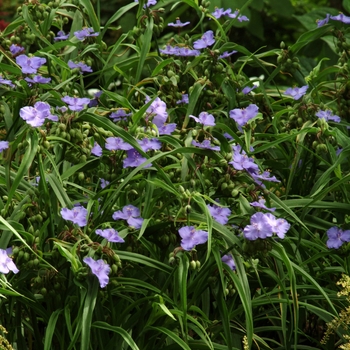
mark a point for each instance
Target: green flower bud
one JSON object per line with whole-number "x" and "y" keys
{"x": 193, "y": 265}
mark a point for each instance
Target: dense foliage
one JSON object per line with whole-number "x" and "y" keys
{"x": 171, "y": 178}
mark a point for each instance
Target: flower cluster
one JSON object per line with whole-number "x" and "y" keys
{"x": 336, "y": 237}
{"x": 265, "y": 225}
{"x": 131, "y": 214}
{"x": 191, "y": 237}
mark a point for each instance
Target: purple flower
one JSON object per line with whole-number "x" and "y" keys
{"x": 35, "y": 116}
{"x": 261, "y": 204}
{"x": 6, "y": 82}
{"x": 100, "y": 269}
{"x": 248, "y": 89}
{"x": 117, "y": 143}
{"x": 149, "y": 144}
{"x": 184, "y": 99}
{"x": 80, "y": 65}
{"x": 296, "y": 93}
{"x": 16, "y": 49}
{"x": 324, "y": 21}
{"x": 157, "y": 109}
{"x": 206, "y": 40}
{"x": 241, "y": 161}
{"x": 149, "y": 3}
{"x": 178, "y": 24}
{"x": 6, "y": 263}
{"x": 76, "y": 103}
{"x": 336, "y": 237}
{"x": 167, "y": 129}
{"x": 111, "y": 235}
{"x": 134, "y": 159}
{"x": 279, "y": 226}
{"x": 38, "y": 79}
{"x": 259, "y": 227}
{"x": 186, "y": 52}
{"x": 191, "y": 237}
{"x": 205, "y": 145}
{"x": 30, "y": 65}
{"x": 78, "y": 215}
{"x": 204, "y": 118}
{"x": 219, "y": 214}
{"x": 94, "y": 101}
{"x": 104, "y": 183}
{"x": 169, "y": 50}
{"x": 4, "y": 145}
{"x": 119, "y": 115}
{"x": 62, "y": 109}
{"x": 218, "y": 13}
{"x": 328, "y": 116}
{"x": 265, "y": 176}
{"x": 235, "y": 14}
{"x": 61, "y": 35}
{"x": 228, "y": 260}
{"x": 131, "y": 214}
{"x": 242, "y": 116}
{"x": 227, "y": 54}
{"x": 338, "y": 151}
{"x": 228, "y": 136}
{"x": 84, "y": 33}
{"x": 342, "y": 18}
{"x": 96, "y": 150}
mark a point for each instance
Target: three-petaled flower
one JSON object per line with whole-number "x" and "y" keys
{"x": 6, "y": 263}
{"x": 336, "y": 237}
{"x": 35, "y": 116}
{"x": 131, "y": 214}
{"x": 206, "y": 40}
{"x": 242, "y": 116}
{"x": 328, "y": 116}
{"x": 296, "y": 93}
{"x": 111, "y": 235}
{"x": 75, "y": 103}
{"x": 228, "y": 260}
{"x": 204, "y": 118}
{"x": 100, "y": 269}
{"x": 191, "y": 237}
{"x": 30, "y": 65}
{"x": 78, "y": 215}
{"x": 219, "y": 214}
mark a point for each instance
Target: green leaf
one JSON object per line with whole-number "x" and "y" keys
{"x": 126, "y": 336}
